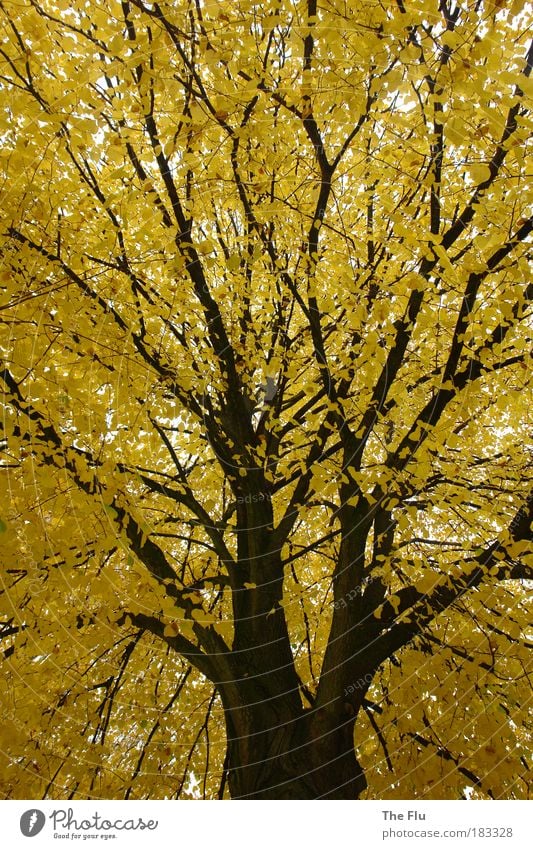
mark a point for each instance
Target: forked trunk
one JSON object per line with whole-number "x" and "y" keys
{"x": 310, "y": 757}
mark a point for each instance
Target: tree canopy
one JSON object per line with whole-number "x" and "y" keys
{"x": 265, "y": 310}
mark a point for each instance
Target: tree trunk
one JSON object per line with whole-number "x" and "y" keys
{"x": 276, "y": 748}
{"x": 308, "y": 757}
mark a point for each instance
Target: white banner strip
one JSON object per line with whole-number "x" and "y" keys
{"x": 266, "y": 825}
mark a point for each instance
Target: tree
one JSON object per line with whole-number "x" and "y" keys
{"x": 265, "y": 311}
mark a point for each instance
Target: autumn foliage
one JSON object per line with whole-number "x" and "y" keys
{"x": 265, "y": 305}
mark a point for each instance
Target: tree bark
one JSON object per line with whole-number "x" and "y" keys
{"x": 310, "y": 756}
{"x": 277, "y": 749}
